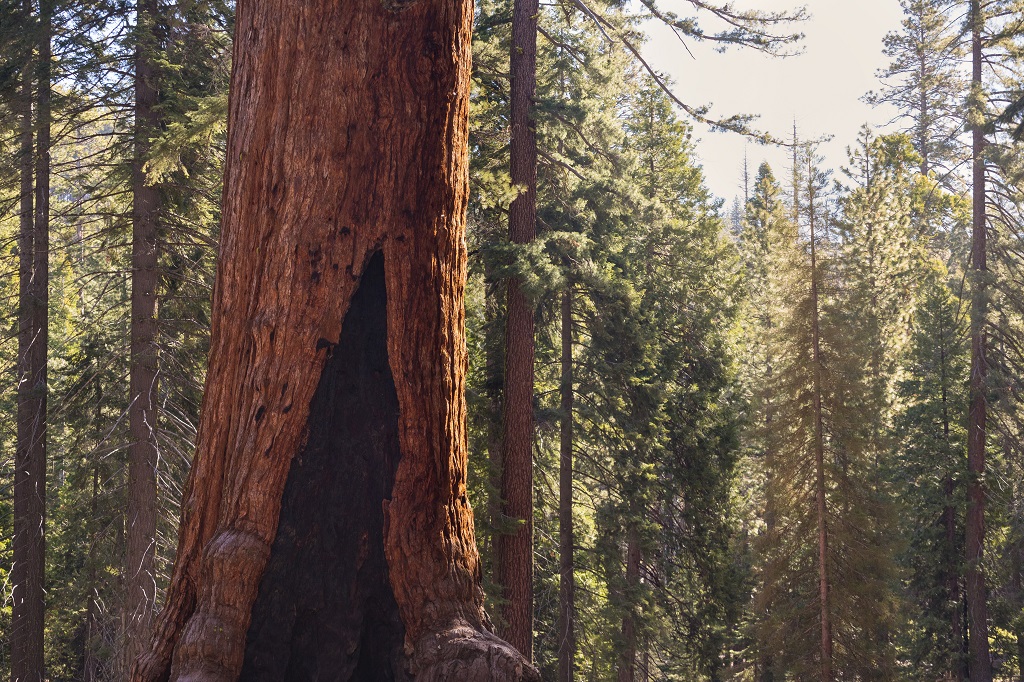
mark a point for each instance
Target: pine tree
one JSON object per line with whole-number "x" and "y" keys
{"x": 825, "y": 567}
{"x": 764, "y": 231}
{"x": 881, "y": 256}
{"x": 925, "y": 84}
{"x": 674, "y": 460}
{"x": 931, "y": 472}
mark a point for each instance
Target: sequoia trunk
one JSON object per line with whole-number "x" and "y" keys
{"x": 140, "y": 576}
{"x": 325, "y": 519}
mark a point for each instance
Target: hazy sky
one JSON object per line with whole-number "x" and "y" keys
{"x": 820, "y": 88}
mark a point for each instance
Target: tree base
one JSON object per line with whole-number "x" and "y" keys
{"x": 468, "y": 655}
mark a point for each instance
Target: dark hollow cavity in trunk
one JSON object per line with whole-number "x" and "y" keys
{"x": 325, "y": 609}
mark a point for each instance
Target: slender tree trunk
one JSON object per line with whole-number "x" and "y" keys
{"x": 494, "y": 350}
{"x": 514, "y": 550}
{"x": 91, "y": 663}
{"x": 922, "y": 121}
{"x": 566, "y": 542}
{"x": 140, "y": 573}
{"x": 956, "y": 665}
{"x": 1017, "y": 585}
{"x": 764, "y": 666}
{"x": 819, "y": 463}
{"x": 326, "y": 531}
{"x": 965, "y": 650}
{"x": 980, "y": 665}
{"x": 28, "y": 571}
{"x": 627, "y": 664}
{"x": 957, "y": 671}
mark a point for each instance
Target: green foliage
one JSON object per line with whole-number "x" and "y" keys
{"x": 932, "y": 423}
{"x": 815, "y": 403}
{"x": 925, "y": 82}
{"x": 90, "y": 261}
{"x": 696, "y": 385}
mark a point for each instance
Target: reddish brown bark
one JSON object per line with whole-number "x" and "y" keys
{"x": 627, "y": 662}
{"x": 977, "y": 607}
{"x": 28, "y": 571}
{"x": 140, "y": 562}
{"x": 347, "y": 137}
{"x": 567, "y": 579}
{"x": 514, "y": 550}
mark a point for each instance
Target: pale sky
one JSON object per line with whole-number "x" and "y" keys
{"x": 820, "y": 88}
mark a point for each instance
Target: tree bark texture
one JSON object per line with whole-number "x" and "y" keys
{"x": 140, "y": 574}
{"x": 566, "y": 543}
{"x": 980, "y": 664}
{"x": 347, "y": 151}
{"x": 627, "y": 663}
{"x": 28, "y": 571}
{"x": 514, "y": 550}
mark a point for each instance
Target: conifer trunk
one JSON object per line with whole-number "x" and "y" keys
{"x": 494, "y": 350}
{"x": 627, "y": 663}
{"x": 819, "y": 464}
{"x": 764, "y": 667}
{"x": 956, "y": 664}
{"x": 326, "y": 513}
{"x": 91, "y": 662}
{"x": 140, "y": 574}
{"x": 956, "y": 669}
{"x": 980, "y": 665}
{"x": 922, "y": 121}
{"x": 514, "y": 550}
{"x": 566, "y": 542}
{"x": 1017, "y": 586}
{"x": 29, "y": 549}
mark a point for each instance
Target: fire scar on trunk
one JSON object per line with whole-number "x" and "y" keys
{"x": 325, "y": 608}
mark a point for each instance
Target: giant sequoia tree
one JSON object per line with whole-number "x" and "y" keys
{"x": 326, "y": 531}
